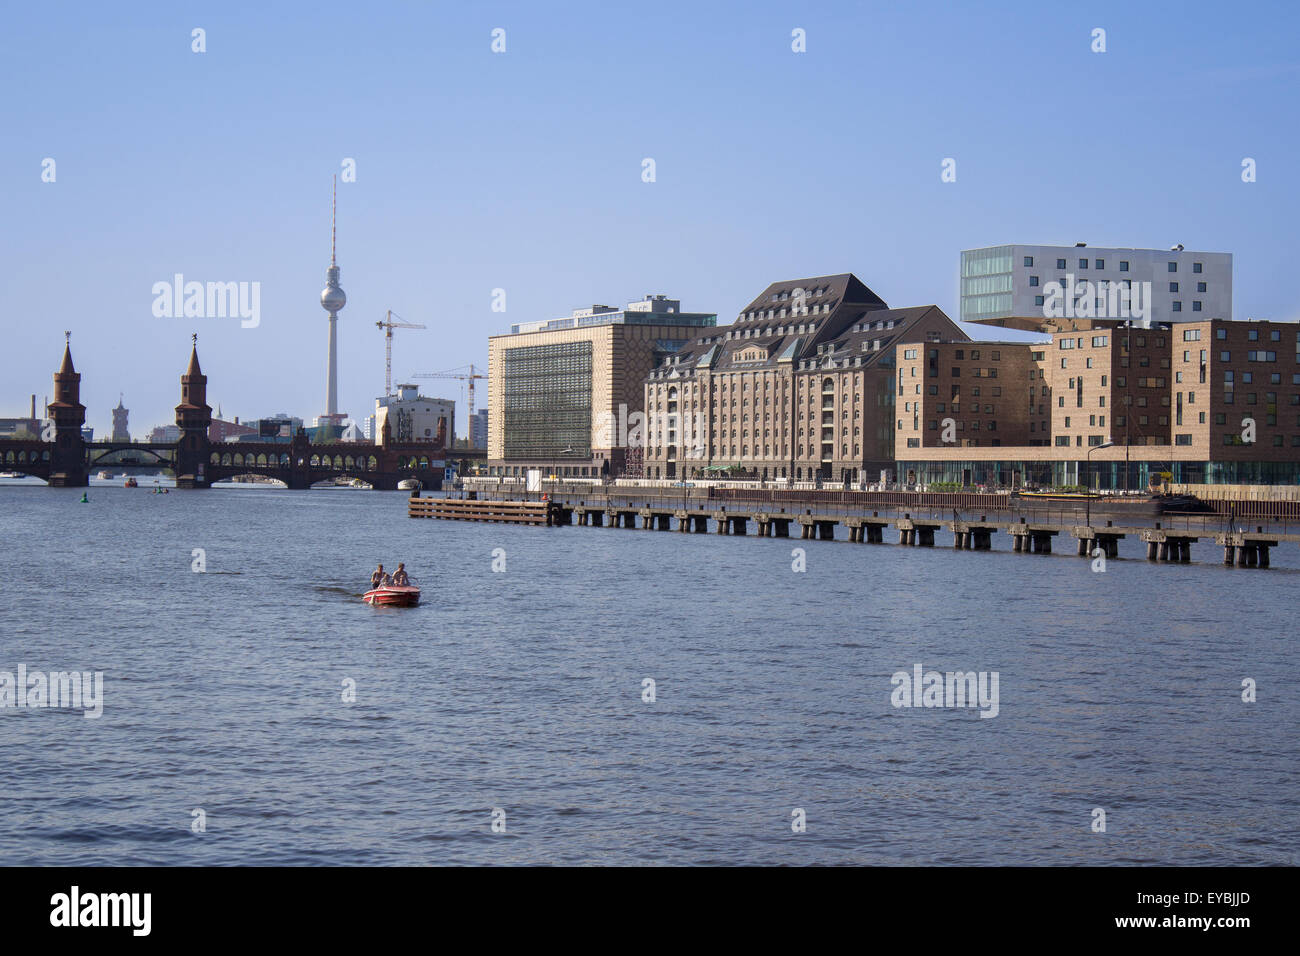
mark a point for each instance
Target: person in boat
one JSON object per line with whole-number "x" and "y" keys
{"x": 400, "y": 578}
{"x": 379, "y": 578}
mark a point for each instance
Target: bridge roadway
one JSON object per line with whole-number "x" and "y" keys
{"x": 299, "y": 464}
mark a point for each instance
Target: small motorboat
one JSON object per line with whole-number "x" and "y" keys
{"x": 393, "y": 595}
{"x": 130, "y": 483}
{"x": 409, "y": 484}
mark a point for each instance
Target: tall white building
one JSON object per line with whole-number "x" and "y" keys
{"x": 416, "y": 418}
{"x": 1021, "y": 286}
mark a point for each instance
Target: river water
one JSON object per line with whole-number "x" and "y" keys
{"x": 517, "y": 695}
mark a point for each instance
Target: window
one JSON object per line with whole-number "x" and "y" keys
{"x": 1200, "y": 287}
{"x": 1029, "y": 260}
{"x": 1173, "y": 287}
{"x": 1196, "y": 267}
{"x": 1182, "y": 439}
{"x": 1173, "y": 267}
{"x": 1191, "y": 335}
{"x": 1123, "y": 265}
{"x": 1101, "y": 263}
{"x": 1253, "y": 335}
{"x": 1083, "y": 263}
{"x": 1033, "y": 281}
{"x": 1060, "y": 263}
{"x": 1221, "y": 334}
{"x": 1178, "y": 307}
{"x": 1038, "y": 300}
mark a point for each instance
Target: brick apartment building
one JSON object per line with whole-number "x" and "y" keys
{"x": 1216, "y": 401}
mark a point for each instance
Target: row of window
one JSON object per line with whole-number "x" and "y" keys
{"x": 1197, "y": 267}
{"x": 1175, "y": 306}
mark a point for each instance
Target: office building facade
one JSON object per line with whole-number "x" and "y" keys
{"x": 1043, "y": 288}
{"x": 561, "y": 391}
{"x": 413, "y": 417}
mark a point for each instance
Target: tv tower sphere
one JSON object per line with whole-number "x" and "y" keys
{"x": 332, "y": 297}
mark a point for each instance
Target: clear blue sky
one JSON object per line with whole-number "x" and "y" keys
{"x": 522, "y": 170}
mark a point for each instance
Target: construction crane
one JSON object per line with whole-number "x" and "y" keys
{"x": 464, "y": 377}
{"x": 388, "y": 325}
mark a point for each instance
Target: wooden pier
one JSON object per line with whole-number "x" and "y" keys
{"x": 501, "y": 512}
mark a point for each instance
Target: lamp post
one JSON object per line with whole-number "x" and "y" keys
{"x": 555, "y": 462}
{"x": 1087, "y": 491}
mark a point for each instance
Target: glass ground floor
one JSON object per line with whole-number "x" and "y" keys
{"x": 1133, "y": 475}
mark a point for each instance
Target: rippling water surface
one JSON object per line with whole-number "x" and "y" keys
{"x": 522, "y": 690}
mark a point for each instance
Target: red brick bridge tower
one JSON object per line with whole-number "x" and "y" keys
{"x": 193, "y": 418}
{"x": 68, "y": 456}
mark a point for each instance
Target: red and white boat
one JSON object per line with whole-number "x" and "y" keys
{"x": 393, "y": 595}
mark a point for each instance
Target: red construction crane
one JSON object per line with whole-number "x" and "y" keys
{"x": 388, "y": 325}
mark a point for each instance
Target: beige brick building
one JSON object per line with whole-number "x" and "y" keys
{"x": 561, "y": 391}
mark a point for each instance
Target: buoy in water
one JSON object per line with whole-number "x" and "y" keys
{"x": 84, "y": 499}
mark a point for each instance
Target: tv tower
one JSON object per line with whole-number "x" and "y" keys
{"x": 332, "y": 298}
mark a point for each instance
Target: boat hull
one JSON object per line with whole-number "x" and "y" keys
{"x": 393, "y": 596}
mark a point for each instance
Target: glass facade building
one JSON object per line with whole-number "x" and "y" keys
{"x": 986, "y": 283}
{"x": 547, "y": 401}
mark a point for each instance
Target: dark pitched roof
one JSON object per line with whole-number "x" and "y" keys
{"x": 889, "y": 327}
{"x": 846, "y": 289}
